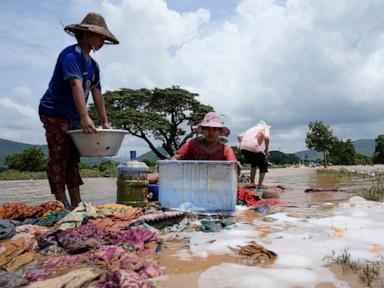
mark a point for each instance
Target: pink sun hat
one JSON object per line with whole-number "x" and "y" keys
{"x": 212, "y": 119}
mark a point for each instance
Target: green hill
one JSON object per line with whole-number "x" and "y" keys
{"x": 362, "y": 146}
{"x": 280, "y": 158}
{"x": 150, "y": 156}
{"x": 365, "y": 146}
{"x": 8, "y": 147}
{"x": 311, "y": 155}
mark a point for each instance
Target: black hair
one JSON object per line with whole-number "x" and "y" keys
{"x": 79, "y": 35}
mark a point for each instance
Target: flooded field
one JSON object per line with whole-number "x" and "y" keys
{"x": 187, "y": 259}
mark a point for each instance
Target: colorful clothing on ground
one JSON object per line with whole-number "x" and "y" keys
{"x": 13, "y": 249}
{"x": 75, "y": 279}
{"x": 20, "y": 261}
{"x": 248, "y": 197}
{"x": 21, "y": 211}
{"x": 87, "y": 236}
{"x": 107, "y": 224}
{"x": 52, "y": 218}
{"x": 125, "y": 279}
{"x": 7, "y": 229}
{"x": 80, "y": 239}
{"x": 77, "y": 216}
{"x": 54, "y": 266}
{"x": 136, "y": 238}
{"x": 29, "y": 231}
{"x": 194, "y": 150}
{"x": 114, "y": 257}
{"x": 11, "y": 280}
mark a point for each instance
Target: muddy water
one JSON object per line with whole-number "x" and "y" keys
{"x": 186, "y": 273}
{"x": 102, "y": 190}
{"x": 97, "y": 190}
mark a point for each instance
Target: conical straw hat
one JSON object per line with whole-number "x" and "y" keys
{"x": 94, "y": 23}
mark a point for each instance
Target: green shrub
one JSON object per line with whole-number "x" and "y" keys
{"x": 31, "y": 159}
{"x": 376, "y": 191}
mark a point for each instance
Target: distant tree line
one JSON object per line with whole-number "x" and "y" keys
{"x": 337, "y": 151}
{"x": 34, "y": 160}
{"x": 30, "y": 159}
{"x": 275, "y": 157}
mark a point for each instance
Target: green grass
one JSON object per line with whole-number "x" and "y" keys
{"x": 341, "y": 173}
{"x": 372, "y": 184}
{"x": 369, "y": 272}
{"x": 26, "y": 175}
{"x": 376, "y": 191}
{"x": 17, "y": 175}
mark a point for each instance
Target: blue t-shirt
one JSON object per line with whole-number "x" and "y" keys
{"x": 58, "y": 99}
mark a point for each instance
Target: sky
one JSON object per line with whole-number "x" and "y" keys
{"x": 284, "y": 62}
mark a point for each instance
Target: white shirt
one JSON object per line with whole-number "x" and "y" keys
{"x": 252, "y": 138}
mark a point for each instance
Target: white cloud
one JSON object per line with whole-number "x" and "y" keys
{"x": 287, "y": 64}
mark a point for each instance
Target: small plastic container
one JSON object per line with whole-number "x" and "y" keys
{"x": 153, "y": 192}
{"x": 132, "y": 182}
{"x": 198, "y": 186}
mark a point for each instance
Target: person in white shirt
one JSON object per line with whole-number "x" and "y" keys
{"x": 250, "y": 143}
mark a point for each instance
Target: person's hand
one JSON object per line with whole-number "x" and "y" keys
{"x": 87, "y": 125}
{"x": 106, "y": 125}
{"x": 266, "y": 152}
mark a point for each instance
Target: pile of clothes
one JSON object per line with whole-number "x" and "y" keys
{"x": 91, "y": 246}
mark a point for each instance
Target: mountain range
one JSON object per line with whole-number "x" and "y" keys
{"x": 362, "y": 146}
{"x": 7, "y": 147}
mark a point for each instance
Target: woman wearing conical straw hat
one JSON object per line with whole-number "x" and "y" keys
{"x": 63, "y": 106}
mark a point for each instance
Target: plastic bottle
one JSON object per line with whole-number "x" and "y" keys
{"x": 132, "y": 182}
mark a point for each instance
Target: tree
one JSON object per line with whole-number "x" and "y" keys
{"x": 320, "y": 138}
{"x": 30, "y": 159}
{"x": 306, "y": 161}
{"x": 363, "y": 159}
{"x": 239, "y": 155}
{"x": 378, "y": 155}
{"x": 166, "y": 115}
{"x": 106, "y": 165}
{"x": 342, "y": 153}
{"x": 280, "y": 158}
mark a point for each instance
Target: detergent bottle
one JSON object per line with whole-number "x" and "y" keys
{"x": 132, "y": 182}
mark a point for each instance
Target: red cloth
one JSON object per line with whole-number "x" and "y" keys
{"x": 194, "y": 150}
{"x": 250, "y": 198}
{"x": 154, "y": 179}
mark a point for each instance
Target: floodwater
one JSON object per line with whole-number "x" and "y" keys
{"x": 97, "y": 190}
{"x": 103, "y": 190}
{"x": 186, "y": 273}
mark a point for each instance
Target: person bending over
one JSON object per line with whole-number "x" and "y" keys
{"x": 250, "y": 142}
